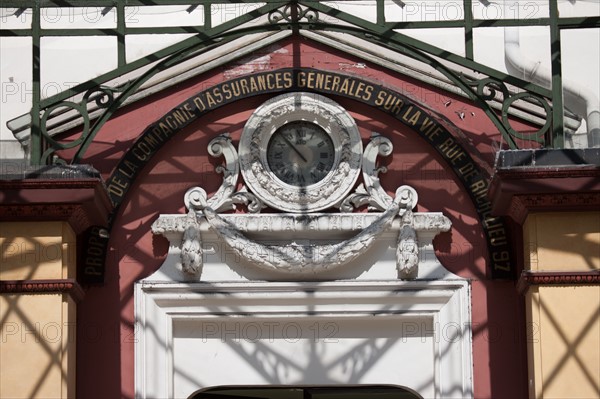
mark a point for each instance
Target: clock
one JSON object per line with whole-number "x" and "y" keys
{"x": 300, "y": 152}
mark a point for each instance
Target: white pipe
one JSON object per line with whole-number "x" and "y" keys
{"x": 577, "y": 98}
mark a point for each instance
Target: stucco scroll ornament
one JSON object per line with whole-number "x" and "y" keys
{"x": 294, "y": 257}
{"x": 226, "y": 197}
{"x": 370, "y": 192}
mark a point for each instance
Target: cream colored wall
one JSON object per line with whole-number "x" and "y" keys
{"x": 567, "y": 241}
{"x": 37, "y": 250}
{"x": 37, "y": 331}
{"x": 37, "y": 334}
{"x": 564, "y": 322}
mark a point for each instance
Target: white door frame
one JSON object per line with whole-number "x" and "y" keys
{"x": 434, "y": 315}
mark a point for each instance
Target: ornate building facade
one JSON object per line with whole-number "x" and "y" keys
{"x": 301, "y": 199}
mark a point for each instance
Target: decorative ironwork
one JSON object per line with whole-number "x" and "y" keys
{"x": 283, "y": 15}
{"x": 485, "y": 90}
{"x": 102, "y": 96}
{"x": 293, "y": 13}
{"x": 538, "y": 136}
{"x": 54, "y": 145}
{"x": 489, "y": 89}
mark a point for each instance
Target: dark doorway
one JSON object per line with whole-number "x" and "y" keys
{"x": 346, "y": 392}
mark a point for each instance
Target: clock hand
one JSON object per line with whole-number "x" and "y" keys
{"x": 294, "y": 147}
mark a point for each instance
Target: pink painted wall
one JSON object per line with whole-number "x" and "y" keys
{"x": 106, "y": 316}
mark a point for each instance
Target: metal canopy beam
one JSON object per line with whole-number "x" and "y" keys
{"x": 383, "y": 33}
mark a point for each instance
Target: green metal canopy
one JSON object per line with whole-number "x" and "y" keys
{"x": 481, "y": 84}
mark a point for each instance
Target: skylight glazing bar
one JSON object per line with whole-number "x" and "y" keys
{"x": 557, "y": 139}
{"x": 121, "y": 51}
{"x": 468, "y": 7}
{"x": 35, "y": 142}
{"x": 380, "y": 12}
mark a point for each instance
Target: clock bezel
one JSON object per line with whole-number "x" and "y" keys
{"x": 309, "y": 107}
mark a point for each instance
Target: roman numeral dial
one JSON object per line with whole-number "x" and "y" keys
{"x": 300, "y": 153}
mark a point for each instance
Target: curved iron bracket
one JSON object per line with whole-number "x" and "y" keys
{"x": 282, "y": 18}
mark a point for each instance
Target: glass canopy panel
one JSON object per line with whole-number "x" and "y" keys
{"x": 581, "y": 55}
{"x": 139, "y": 46}
{"x": 15, "y": 18}
{"x": 441, "y": 23}
{"x": 532, "y": 52}
{"x": 364, "y": 9}
{"x": 15, "y": 53}
{"x": 221, "y": 13}
{"x": 88, "y": 57}
{"x": 412, "y": 11}
{"x": 510, "y": 9}
{"x": 488, "y": 47}
{"x": 78, "y": 18}
{"x": 579, "y": 8}
{"x": 160, "y": 16}
{"x": 580, "y": 49}
{"x": 450, "y": 39}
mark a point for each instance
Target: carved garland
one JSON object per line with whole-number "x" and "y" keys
{"x": 310, "y": 258}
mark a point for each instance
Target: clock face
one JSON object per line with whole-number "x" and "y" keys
{"x": 300, "y": 153}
